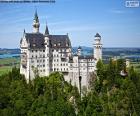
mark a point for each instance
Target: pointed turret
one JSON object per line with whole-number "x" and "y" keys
{"x": 46, "y": 30}
{"x": 36, "y": 23}
{"x": 24, "y": 33}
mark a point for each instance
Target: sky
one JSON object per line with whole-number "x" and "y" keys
{"x": 118, "y": 25}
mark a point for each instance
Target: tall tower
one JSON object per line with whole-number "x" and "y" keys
{"x": 36, "y": 23}
{"x": 47, "y": 51}
{"x": 97, "y": 47}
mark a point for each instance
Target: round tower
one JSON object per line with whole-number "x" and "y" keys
{"x": 97, "y": 47}
{"x": 36, "y": 23}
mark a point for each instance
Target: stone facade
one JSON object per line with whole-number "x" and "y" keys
{"x": 42, "y": 54}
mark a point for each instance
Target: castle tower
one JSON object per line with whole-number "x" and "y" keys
{"x": 79, "y": 51}
{"x": 97, "y": 47}
{"x": 47, "y": 52}
{"x": 36, "y": 23}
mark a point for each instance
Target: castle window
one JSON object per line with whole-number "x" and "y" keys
{"x": 59, "y": 44}
{"x": 36, "y": 50}
{"x": 36, "y": 56}
{"x": 44, "y": 70}
{"x": 32, "y": 50}
{"x": 67, "y": 44}
{"x": 43, "y": 65}
{"x": 37, "y": 60}
{"x": 32, "y": 56}
{"x": 43, "y": 50}
{"x": 43, "y": 60}
{"x": 43, "y": 56}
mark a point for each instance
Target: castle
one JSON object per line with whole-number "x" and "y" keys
{"x": 42, "y": 54}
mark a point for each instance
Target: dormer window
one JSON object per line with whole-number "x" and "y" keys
{"x": 67, "y": 44}
{"x": 59, "y": 44}
{"x": 33, "y": 45}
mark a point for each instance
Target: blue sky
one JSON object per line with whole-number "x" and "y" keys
{"x": 81, "y": 19}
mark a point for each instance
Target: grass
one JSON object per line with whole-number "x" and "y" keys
{"x": 6, "y": 64}
{"x": 5, "y": 69}
{"x": 9, "y": 61}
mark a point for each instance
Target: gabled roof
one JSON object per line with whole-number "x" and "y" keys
{"x": 35, "y": 40}
{"x": 59, "y": 41}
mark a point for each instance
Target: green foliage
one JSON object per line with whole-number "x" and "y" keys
{"x": 113, "y": 95}
{"x": 110, "y": 95}
{"x": 42, "y": 96}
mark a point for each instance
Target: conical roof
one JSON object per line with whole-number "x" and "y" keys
{"x": 97, "y": 35}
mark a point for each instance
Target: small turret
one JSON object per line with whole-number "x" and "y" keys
{"x": 79, "y": 51}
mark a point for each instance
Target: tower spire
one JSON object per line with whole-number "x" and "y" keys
{"x": 36, "y": 23}
{"x": 46, "y": 30}
{"x": 36, "y": 16}
{"x": 24, "y": 32}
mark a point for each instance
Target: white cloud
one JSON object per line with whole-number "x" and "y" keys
{"x": 119, "y": 11}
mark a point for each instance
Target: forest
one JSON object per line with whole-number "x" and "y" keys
{"x": 109, "y": 93}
